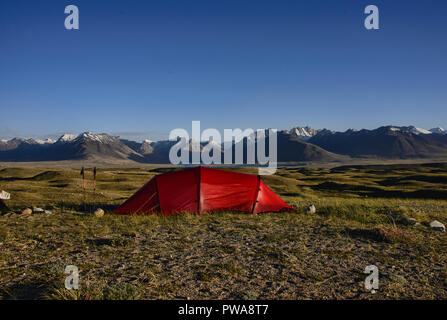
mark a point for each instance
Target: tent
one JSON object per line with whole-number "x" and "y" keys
{"x": 200, "y": 190}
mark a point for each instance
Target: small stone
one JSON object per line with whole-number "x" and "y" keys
{"x": 409, "y": 221}
{"x": 38, "y": 210}
{"x": 311, "y": 209}
{"x": 27, "y": 211}
{"x": 99, "y": 213}
{"x": 48, "y": 212}
{"x": 437, "y": 226}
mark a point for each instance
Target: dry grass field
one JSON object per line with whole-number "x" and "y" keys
{"x": 229, "y": 255}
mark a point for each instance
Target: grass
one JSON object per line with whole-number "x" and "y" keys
{"x": 228, "y": 255}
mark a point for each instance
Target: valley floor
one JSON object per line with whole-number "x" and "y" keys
{"x": 229, "y": 255}
{"x": 111, "y": 163}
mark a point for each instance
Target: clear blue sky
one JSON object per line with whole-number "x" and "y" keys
{"x": 141, "y": 68}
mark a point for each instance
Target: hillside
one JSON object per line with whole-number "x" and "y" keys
{"x": 384, "y": 142}
{"x": 229, "y": 255}
{"x": 301, "y": 144}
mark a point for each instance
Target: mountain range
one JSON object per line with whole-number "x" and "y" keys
{"x": 299, "y": 144}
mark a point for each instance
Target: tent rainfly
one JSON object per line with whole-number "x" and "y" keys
{"x": 201, "y": 190}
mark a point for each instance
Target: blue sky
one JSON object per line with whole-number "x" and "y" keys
{"x": 141, "y": 68}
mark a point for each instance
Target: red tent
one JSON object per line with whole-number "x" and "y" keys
{"x": 203, "y": 189}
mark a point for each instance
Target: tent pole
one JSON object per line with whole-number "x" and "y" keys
{"x": 158, "y": 195}
{"x": 257, "y": 194}
{"x": 199, "y": 184}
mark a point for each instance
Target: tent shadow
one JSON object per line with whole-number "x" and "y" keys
{"x": 34, "y": 290}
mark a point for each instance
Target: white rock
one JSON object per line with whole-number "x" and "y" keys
{"x": 311, "y": 209}
{"x": 437, "y": 226}
{"x": 38, "y": 210}
{"x": 4, "y": 195}
{"x": 99, "y": 213}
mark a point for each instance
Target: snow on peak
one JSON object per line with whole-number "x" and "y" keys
{"x": 304, "y": 133}
{"x": 412, "y": 129}
{"x": 148, "y": 141}
{"x": 67, "y": 137}
{"x": 438, "y": 130}
{"x": 46, "y": 141}
{"x": 103, "y": 138}
{"x": 417, "y": 130}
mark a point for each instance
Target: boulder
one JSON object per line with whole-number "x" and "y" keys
{"x": 38, "y": 210}
{"x": 437, "y": 226}
{"x": 4, "y": 195}
{"x": 27, "y": 211}
{"x": 311, "y": 209}
{"x": 99, "y": 213}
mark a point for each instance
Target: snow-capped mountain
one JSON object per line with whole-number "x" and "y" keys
{"x": 46, "y": 141}
{"x": 415, "y": 130}
{"x": 304, "y": 133}
{"x": 297, "y": 144}
{"x": 290, "y": 148}
{"x": 12, "y": 144}
{"x": 67, "y": 137}
{"x": 68, "y": 147}
{"x": 385, "y": 142}
{"x": 438, "y": 130}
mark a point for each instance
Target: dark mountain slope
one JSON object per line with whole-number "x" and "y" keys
{"x": 387, "y": 142}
